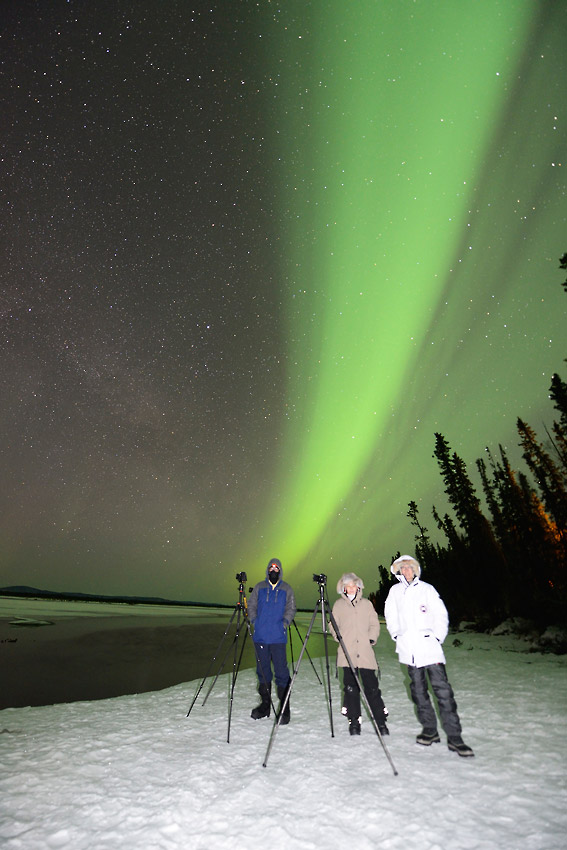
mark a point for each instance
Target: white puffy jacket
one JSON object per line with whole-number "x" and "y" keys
{"x": 417, "y": 620}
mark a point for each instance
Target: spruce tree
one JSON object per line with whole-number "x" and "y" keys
{"x": 551, "y": 481}
{"x": 558, "y": 392}
{"x": 481, "y": 559}
{"x": 424, "y": 549}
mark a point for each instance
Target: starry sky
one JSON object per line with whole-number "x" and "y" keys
{"x": 254, "y": 256}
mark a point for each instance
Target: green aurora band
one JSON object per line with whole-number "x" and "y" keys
{"x": 401, "y": 145}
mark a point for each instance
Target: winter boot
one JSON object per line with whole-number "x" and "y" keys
{"x": 354, "y": 726}
{"x": 263, "y": 710}
{"x": 352, "y": 701}
{"x": 379, "y": 711}
{"x": 458, "y": 746}
{"x": 427, "y": 737}
{"x": 282, "y": 693}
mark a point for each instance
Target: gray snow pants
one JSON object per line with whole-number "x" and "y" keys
{"x": 443, "y": 693}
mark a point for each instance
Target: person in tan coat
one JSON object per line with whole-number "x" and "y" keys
{"x": 359, "y": 627}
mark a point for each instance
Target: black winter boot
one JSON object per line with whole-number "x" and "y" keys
{"x": 427, "y": 737}
{"x": 263, "y": 710}
{"x": 282, "y": 693}
{"x": 457, "y": 745}
{"x": 379, "y": 710}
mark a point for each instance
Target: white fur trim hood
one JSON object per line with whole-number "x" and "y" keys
{"x": 406, "y": 560}
{"x": 349, "y": 578}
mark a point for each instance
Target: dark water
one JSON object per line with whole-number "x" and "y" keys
{"x": 114, "y": 662}
{"x": 99, "y": 658}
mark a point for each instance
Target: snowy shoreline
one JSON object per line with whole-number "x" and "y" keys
{"x": 135, "y": 772}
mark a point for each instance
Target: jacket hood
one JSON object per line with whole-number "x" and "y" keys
{"x": 405, "y": 559}
{"x": 349, "y": 578}
{"x": 276, "y": 562}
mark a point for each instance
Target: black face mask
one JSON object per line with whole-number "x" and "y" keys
{"x": 274, "y": 576}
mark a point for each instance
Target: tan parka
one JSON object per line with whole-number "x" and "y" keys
{"x": 359, "y": 626}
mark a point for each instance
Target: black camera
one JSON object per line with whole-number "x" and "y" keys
{"x": 320, "y": 579}
{"x": 241, "y": 577}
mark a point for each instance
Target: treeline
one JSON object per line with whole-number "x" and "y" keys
{"x": 513, "y": 561}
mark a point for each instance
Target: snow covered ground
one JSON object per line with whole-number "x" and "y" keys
{"x": 136, "y": 773}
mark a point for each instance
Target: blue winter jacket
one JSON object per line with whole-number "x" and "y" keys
{"x": 271, "y": 608}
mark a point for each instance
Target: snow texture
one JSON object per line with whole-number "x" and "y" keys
{"x": 136, "y": 773}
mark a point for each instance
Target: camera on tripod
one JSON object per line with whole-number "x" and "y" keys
{"x": 242, "y": 577}
{"x": 320, "y": 579}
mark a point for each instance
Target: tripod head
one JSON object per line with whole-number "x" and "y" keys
{"x": 322, "y": 582}
{"x": 241, "y": 578}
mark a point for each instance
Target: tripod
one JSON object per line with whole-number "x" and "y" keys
{"x": 326, "y": 616}
{"x": 241, "y": 613}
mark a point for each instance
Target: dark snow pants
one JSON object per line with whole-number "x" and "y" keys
{"x": 268, "y": 654}
{"x": 443, "y": 691}
{"x": 369, "y": 681}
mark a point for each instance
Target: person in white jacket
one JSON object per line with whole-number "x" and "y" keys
{"x": 418, "y": 621}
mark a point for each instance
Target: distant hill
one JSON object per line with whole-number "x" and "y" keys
{"x": 36, "y": 593}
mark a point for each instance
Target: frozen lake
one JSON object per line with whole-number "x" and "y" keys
{"x": 67, "y": 651}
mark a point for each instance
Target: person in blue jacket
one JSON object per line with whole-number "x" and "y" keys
{"x": 271, "y": 609}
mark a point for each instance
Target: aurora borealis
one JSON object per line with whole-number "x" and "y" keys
{"x": 255, "y": 256}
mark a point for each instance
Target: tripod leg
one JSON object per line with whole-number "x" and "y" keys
{"x": 362, "y": 694}
{"x": 221, "y": 668}
{"x": 234, "y": 641}
{"x": 241, "y": 608}
{"x": 324, "y": 608}
{"x": 210, "y": 667}
{"x": 307, "y": 652}
{"x": 284, "y": 701}
{"x": 291, "y": 645}
{"x": 321, "y": 603}
{"x": 235, "y": 669}
{"x": 289, "y": 689}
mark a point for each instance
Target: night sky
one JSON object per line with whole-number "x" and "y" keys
{"x": 254, "y": 256}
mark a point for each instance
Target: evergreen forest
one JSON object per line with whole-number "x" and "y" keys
{"x": 506, "y": 555}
